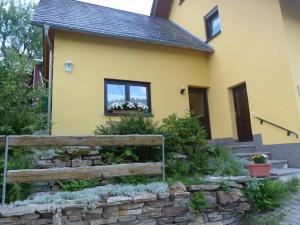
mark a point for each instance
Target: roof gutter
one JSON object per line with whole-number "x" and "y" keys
{"x": 50, "y": 72}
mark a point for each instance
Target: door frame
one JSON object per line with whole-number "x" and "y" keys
{"x": 241, "y": 85}
{"x": 204, "y": 91}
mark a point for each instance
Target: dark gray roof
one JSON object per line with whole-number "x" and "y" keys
{"x": 98, "y": 20}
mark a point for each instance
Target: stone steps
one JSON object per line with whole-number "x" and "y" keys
{"x": 286, "y": 173}
{"x": 279, "y": 164}
{"x": 246, "y": 150}
{"x": 242, "y": 148}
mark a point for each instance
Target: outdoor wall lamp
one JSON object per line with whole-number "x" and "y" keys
{"x": 182, "y": 90}
{"x": 69, "y": 66}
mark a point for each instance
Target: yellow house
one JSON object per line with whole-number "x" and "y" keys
{"x": 234, "y": 63}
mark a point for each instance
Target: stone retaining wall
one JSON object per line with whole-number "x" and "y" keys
{"x": 143, "y": 209}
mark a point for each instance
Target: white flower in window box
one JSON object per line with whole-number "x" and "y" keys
{"x": 129, "y": 107}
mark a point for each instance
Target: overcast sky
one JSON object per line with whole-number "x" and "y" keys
{"x": 137, "y": 6}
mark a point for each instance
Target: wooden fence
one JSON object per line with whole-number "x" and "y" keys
{"x": 88, "y": 172}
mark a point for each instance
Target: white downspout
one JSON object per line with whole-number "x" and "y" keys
{"x": 49, "y": 122}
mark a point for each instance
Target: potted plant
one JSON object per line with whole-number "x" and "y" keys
{"x": 259, "y": 167}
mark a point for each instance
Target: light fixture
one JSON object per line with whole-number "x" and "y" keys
{"x": 69, "y": 66}
{"x": 182, "y": 90}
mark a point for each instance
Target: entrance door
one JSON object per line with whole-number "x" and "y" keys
{"x": 242, "y": 113}
{"x": 199, "y": 107}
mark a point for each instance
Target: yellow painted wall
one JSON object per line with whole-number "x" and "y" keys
{"x": 252, "y": 48}
{"x": 78, "y": 98}
{"x": 291, "y": 18}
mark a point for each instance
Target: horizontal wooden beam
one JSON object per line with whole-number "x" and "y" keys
{"x": 84, "y": 173}
{"x": 111, "y": 140}
{"x": 2, "y": 140}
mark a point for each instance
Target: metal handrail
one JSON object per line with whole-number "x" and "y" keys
{"x": 289, "y": 132}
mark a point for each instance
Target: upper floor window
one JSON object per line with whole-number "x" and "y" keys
{"x": 135, "y": 94}
{"x": 213, "y": 24}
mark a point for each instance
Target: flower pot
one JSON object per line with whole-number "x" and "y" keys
{"x": 259, "y": 170}
{"x": 127, "y": 112}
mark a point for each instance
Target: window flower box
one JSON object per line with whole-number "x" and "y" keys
{"x": 127, "y": 112}
{"x": 259, "y": 167}
{"x": 129, "y": 108}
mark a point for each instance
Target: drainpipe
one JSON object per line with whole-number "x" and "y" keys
{"x": 46, "y": 34}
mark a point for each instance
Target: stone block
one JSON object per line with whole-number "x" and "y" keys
{"x": 163, "y": 221}
{"x": 170, "y": 211}
{"x": 159, "y": 203}
{"x": 110, "y": 211}
{"x": 59, "y": 163}
{"x": 104, "y": 221}
{"x": 132, "y": 206}
{"x": 210, "y": 198}
{"x": 118, "y": 200}
{"x": 126, "y": 218}
{"x": 178, "y": 187}
{"x": 165, "y": 195}
{"x": 203, "y": 187}
{"x": 214, "y": 217}
{"x": 224, "y": 197}
{"x": 80, "y": 162}
{"x": 130, "y": 212}
{"x": 145, "y": 197}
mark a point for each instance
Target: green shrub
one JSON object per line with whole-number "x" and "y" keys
{"x": 292, "y": 185}
{"x": 132, "y": 124}
{"x": 198, "y": 202}
{"x": 183, "y": 135}
{"x": 265, "y": 195}
{"x": 17, "y": 159}
{"x": 134, "y": 180}
{"x": 77, "y": 185}
{"x": 223, "y": 163}
{"x": 224, "y": 186}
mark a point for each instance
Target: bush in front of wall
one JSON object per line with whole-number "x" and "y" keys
{"x": 223, "y": 163}
{"x": 18, "y": 159}
{"x": 267, "y": 194}
{"x": 183, "y": 134}
{"x": 198, "y": 202}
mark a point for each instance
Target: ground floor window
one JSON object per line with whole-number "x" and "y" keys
{"x": 124, "y": 95}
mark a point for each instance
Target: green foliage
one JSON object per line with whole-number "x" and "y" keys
{"x": 183, "y": 134}
{"x": 17, "y": 33}
{"x": 18, "y": 159}
{"x": 134, "y": 180}
{"x": 133, "y": 124}
{"x": 223, "y": 163}
{"x": 224, "y": 186}
{"x": 259, "y": 158}
{"x": 77, "y": 185}
{"x": 265, "y": 195}
{"x": 198, "y": 202}
{"x": 20, "y": 110}
{"x": 20, "y": 42}
{"x": 292, "y": 185}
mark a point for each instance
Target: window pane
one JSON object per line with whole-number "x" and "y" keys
{"x": 216, "y": 25}
{"x": 115, "y": 94}
{"x": 138, "y": 94}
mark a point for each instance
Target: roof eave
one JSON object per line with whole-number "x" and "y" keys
{"x": 140, "y": 39}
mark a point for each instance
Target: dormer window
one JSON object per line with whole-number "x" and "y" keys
{"x": 213, "y": 24}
